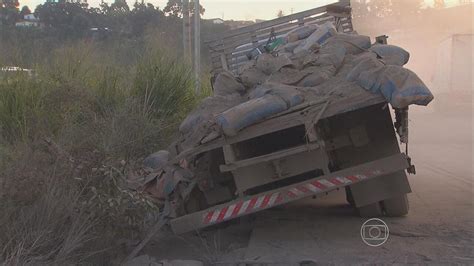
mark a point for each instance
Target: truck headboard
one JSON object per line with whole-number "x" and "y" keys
{"x": 229, "y": 51}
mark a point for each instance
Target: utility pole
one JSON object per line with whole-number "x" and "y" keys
{"x": 186, "y": 33}
{"x": 197, "y": 45}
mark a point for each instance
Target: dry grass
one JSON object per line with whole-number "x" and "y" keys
{"x": 63, "y": 201}
{"x": 42, "y": 219}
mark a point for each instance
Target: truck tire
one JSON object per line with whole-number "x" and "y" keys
{"x": 397, "y": 206}
{"x": 370, "y": 211}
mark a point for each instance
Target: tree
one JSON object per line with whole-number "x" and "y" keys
{"x": 13, "y": 4}
{"x": 9, "y": 12}
{"x": 25, "y": 10}
{"x": 142, "y": 16}
{"x": 175, "y": 8}
{"x": 70, "y": 19}
{"x": 280, "y": 13}
{"x": 104, "y": 8}
{"x": 120, "y": 6}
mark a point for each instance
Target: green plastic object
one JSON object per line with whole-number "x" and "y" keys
{"x": 275, "y": 44}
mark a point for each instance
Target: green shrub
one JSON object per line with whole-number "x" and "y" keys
{"x": 164, "y": 85}
{"x": 21, "y": 106}
{"x": 69, "y": 136}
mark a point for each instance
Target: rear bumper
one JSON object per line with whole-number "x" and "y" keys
{"x": 272, "y": 198}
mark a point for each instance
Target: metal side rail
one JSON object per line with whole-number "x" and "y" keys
{"x": 272, "y": 198}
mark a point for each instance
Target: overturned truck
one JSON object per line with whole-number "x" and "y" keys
{"x": 301, "y": 107}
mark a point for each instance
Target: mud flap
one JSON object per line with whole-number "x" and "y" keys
{"x": 379, "y": 189}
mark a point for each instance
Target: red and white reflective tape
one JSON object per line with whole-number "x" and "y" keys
{"x": 269, "y": 200}
{"x": 321, "y": 185}
{"x": 241, "y": 208}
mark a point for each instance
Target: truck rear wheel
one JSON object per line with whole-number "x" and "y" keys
{"x": 397, "y": 206}
{"x": 370, "y": 211}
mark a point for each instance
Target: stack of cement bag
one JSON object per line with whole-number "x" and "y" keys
{"x": 312, "y": 61}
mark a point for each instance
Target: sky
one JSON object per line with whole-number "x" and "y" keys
{"x": 233, "y": 9}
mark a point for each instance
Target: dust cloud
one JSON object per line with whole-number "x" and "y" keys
{"x": 441, "y": 46}
{"x": 441, "y": 205}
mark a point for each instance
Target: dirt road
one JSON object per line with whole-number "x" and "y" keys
{"x": 439, "y": 228}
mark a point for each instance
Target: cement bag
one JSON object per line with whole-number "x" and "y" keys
{"x": 400, "y": 86}
{"x": 321, "y": 35}
{"x": 206, "y": 110}
{"x": 314, "y": 79}
{"x": 403, "y": 87}
{"x": 192, "y": 121}
{"x": 354, "y": 43}
{"x": 332, "y": 54}
{"x": 391, "y": 54}
{"x": 366, "y": 72}
{"x": 253, "y": 77}
{"x": 226, "y": 84}
{"x": 301, "y": 33}
{"x": 287, "y": 76}
{"x": 329, "y": 60}
{"x": 289, "y": 47}
{"x": 157, "y": 160}
{"x": 269, "y": 64}
{"x": 289, "y": 94}
{"x": 249, "y": 113}
{"x": 199, "y": 123}
{"x": 259, "y": 92}
{"x": 246, "y": 66}
{"x": 292, "y": 97}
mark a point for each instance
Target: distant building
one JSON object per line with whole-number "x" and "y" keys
{"x": 67, "y": 1}
{"x": 217, "y": 20}
{"x": 31, "y": 17}
{"x": 98, "y": 33}
{"x": 77, "y": 1}
{"x": 29, "y": 20}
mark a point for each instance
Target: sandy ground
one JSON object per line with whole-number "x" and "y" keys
{"x": 439, "y": 228}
